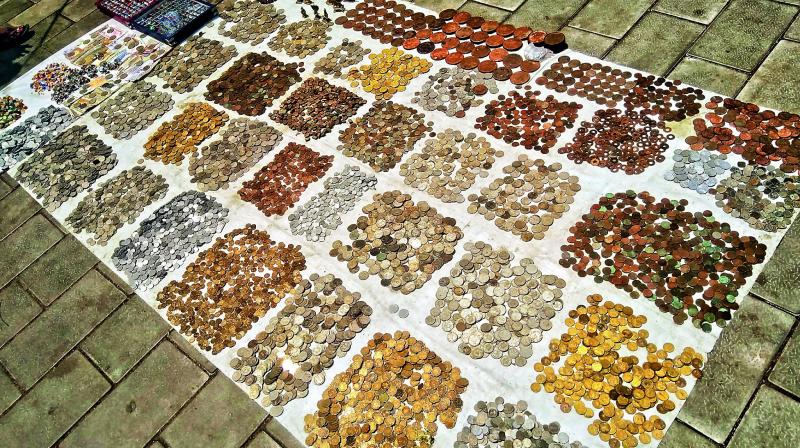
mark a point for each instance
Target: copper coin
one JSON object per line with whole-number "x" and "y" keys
{"x": 480, "y": 89}
{"x": 409, "y": 34}
{"x": 465, "y": 47}
{"x": 411, "y": 44}
{"x": 537, "y": 37}
{"x": 481, "y": 51}
{"x": 386, "y": 39}
{"x": 522, "y": 33}
{"x": 487, "y": 66}
{"x": 479, "y": 37}
{"x": 555, "y": 38}
{"x": 398, "y": 42}
{"x": 530, "y": 66}
{"x": 438, "y": 38}
{"x": 341, "y": 20}
{"x": 464, "y": 32}
{"x": 447, "y": 14}
{"x": 426, "y": 47}
{"x": 454, "y": 58}
{"x": 469, "y": 63}
{"x": 512, "y": 44}
{"x": 520, "y": 78}
{"x": 461, "y": 17}
{"x": 424, "y": 34}
{"x": 498, "y": 54}
{"x": 502, "y": 74}
{"x": 506, "y": 30}
{"x": 451, "y": 42}
{"x": 439, "y": 54}
{"x": 450, "y": 28}
{"x": 489, "y": 26}
{"x": 513, "y": 60}
{"x": 495, "y": 40}
{"x": 475, "y": 22}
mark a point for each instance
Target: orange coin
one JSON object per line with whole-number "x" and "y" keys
{"x": 537, "y": 37}
{"x": 495, "y": 40}
{"x": 498, "y": 54}
{"x": 489, "y": 26}
{"x": 461, "y": 17}
{"x": 522, "y": 33}
{"x": 513, "y": 61}
{"x": 512, "y": 44}
{"x": 469, "y": 63}
{"x": 481, "y": 51}
{"x": 454, "y": 58}
{"x": 480, "y": 89}
{"x": 438, "y": 38}
{"x": 520, "y": 78}
{"x": 464, "y": 32}
{"x": 487, "y": 66}
{"x": 465, "y": 47}
{"x": 411, "y": 44}
{"x": 424, "y": 33}
{"x": 506, "y": 30}
{"x": 450, "y": 28}
{"x": 451, "y": 42}
{"x": 479, "y": 36}
{"x": 439, "y": 54}
{"x": 530, "y": 66}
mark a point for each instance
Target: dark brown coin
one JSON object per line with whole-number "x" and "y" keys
{"x": 502, "y": 73}
{"x": 426, "y": 47}
{"x": 447, "y": 14}
{"x": 555, "y": 38}
{"x": 475, "y": 22}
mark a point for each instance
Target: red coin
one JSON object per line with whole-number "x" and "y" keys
{"x": 522, "y": 33}
{"x": 520, "y": 78}
{"x": 480, "y": 89}
{"x": 424, "y": 34}
{"x": 481, "y": 52}
{"x": 439, "y": 54}
{"x": 537, "y": 37}
{"x": 495, "y": 40}
{"x": 489, "y": 26}
{"x": 438, "y": 38}
{"x": 450, "y": 28}
{"x": 469, "y": 63}
{"x": 464, "y": 32}
{"x": 461, "y": 17}
{"x": 530, "y": 66}
{"x": 411, "y": 44}
{"x": 479, "y": 36}
{"x": 465, "y": 47}
{"x": 454, "y": 58}
{"x": 498, "y": 54}
{"x": 512, "y": 44}
{"x": 487, "y": 66}
{"x": 506, "y": 30}
{"x": 451, "y": 42}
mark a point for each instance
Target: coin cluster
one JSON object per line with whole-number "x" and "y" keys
{"x": 317, "y": 325}
{"x": 529, "y": 120}
{"x": 340, "y": 57}
{"x": 188, "y": 64}
{"x": 50, "y": 76}
{"x": 401, "y": 242}
{"x": 322, "y": 214}
{"x": 116, "y": 202}
{"x": 597, "y": 375}
{"x": 454, "y": 90}
{"x": 276, "y": 187}
{"x": 494, "y": 308}
{"x": 316, "y": 107}
{"x": 248, "y": 21}
{"x": 759, "y": 136}
{"x": 388, "y": 72}
{"x": 21, "y": 140}
{"x": 166, "y": 238}
{"x": 449, "y": 164}
{"x": 689, "y": 264}
{"x": 181, "y": 136}
{"x": 66, "y": 166}
{"x": 253, "y": 83}
{"x": 397, "y": 384}
{"x": 10, "y": 110}
{"x": 764, "y": 196}
{"x": 302, "y": 39}
{"x": 527, "y": 199}
{"x": 697, "y": 170}
{"x": 136, "y": 107}
{"x": 497, "y": 424}
{"x": 628, "y": 141}
{"x": 384, "y": 134}
{"x": 243, "y": 143}
{"x": 230, "y": 286}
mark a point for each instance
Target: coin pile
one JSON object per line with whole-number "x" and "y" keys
{"x": 317, "y": 325}
{"x": 25, "y": 138}
{"x": 253, "y": 83}
{"x": 454, "y": 90}
{"x": 303, "y": 38}
{"x": 10, "y": 110}
{"x": 385, "y": 133}
{"x": 322, "y": 214}
{"x": 340, "y": 57}
{"x": 449, "y": 164}
{"x": 188, "y": 64}
{"x": 136, "y": 107}
{"x": 764, "y": 196}
{"x": 248, "y": 21}
{"x": 243, "y": 144}
{"x": 164, "y": 239}
{"x": 401, "y": 242}
{"x": 688, "y": 264}
{"x": 596, "y": 374}
{"x": 115, "y": 202}
{"x": 760, "y": 137}
{"x": 528, "y": 199}
{"x": 398, "y": 385}
{"x": 66, "y": 166}
{"x": 493, "y": 308}
{"x": 176, "y": 138}
{"x": 697, "y": 170}
{"x": 528, "y": 119}
{"x": 498, "y": 424}
{"x": 277, "y": 187}
{"x": 230, "y": 286}
{"x": 629, "y": 141}
{"x": 47, "y": 78}
{"x": 388, "y": 72}
{"x": 316, "y": 107}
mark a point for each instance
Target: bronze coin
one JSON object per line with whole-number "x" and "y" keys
{"x": 555, "y": 38}
{"x": 447, "y": 14}
{"x": 522, "y": 33}
{"x": 537, "y": 37}
{"x": 465, "y": 47}
{"x": 487, "y": 66}
{"x": 479, "y": 37}
{"x": 439, "y": 54}
{"x": 530, "y": 66}
{"x": 498, "y": 54}
{"x": 411, "y": 44}
{"x": 505, "y": 30}
{"x": 438, "y": 37}
{"x": 451, "y": 28}
{"x": 454, "y": 58}
{"x": 481, "y": 51}
{"x": 520, "y": 78}
{"x": 495, "y": 40}
{"x": 397, "y": 42}
{"x": 502, "y": 74}
{"x": 480, "y": 89}
{"x": 451, "y": 42}
{"x": 464, "y": 32}
{"x": 512, "y": 44}
{"x": 424, "y": 34}
{"x": 475, "y": 22}
{"x": 513, "y": 60}
{"x": 489, "y": 26}
{"x": 461, "y": 17}
{"x": 469, "y": 63}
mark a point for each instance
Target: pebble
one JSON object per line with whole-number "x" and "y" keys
{"x": 10, "y": 110}
{"x": 316, "y": 107}
{"x": 188, "y": 64}
{"x": 451, "y": 91}
{"x": 248, "y": 21}
{"x": 137, "y": 106}
{"x": 302, "y": 39}
{"x": 697, "y": 170}
{"x": 389, "y": 72}
{"x": 341, "y": 56}
{"x": 181, "y": 136}
{"x": 25, "y": 138}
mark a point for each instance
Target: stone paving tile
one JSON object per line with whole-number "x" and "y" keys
{"x": 10, "y": 8}
{"x": 786, "y": 372}
{"x": 121, "y": 284}
{"x": 155, "y": 444}
{"x": 509, "y": 5}
{"x": 16, "y": 208}
{"x": 743, "y": 33}
{"x": 70, "y": 34}
{"x": 4, "y": 189}
{"x": 75, "y": 10}
{"x": 610, "y": 17}
{"x": 655, "y": 43}
{"x": 548, "y": 15}
{"x": 221, "y": 415}
{"x": 6, "y": 178}
{"x": 262, "y": 440}
{"x": 777, "y": 283}
{"x": 59, "y": 328}
{"x": 485, "y": 11}
{"x": 38, "y": 12}
{"x": 18, "y": 60}
{"x": 735, "y": 367}
{"x": 43, "y": 415}
{"x": 794, "y": 30}
{"x": 709, "y": 76}
{"x": 17, "y": 308}
{"x": 8, "y": 392}
{"x": 586, "y": 42}
{"x": 702, "y": 11}
{"x": 125, "y": 338}
{"x": 24, "y": 246}
{"x": 279, "y": 432}
{"x": 189, "y": 350}
{"x": 56, "y": 270}
{"x": 776, "y": 84}
{"x": 141, "y": 404}
{"x": 439, "y": 5}
{"x": 771, "y": 422}
{"x": 681, "y": 435}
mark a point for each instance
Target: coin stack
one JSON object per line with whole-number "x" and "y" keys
{"x": 454, "y": 90}
{"x": 248, "y": 21}
{"x": 385, "y": 133}
{"x": 230, "y": 286}
{"x": 66, "y": 166}
{"x": 316, "y": 107}
{"x": 697, "y": 170}
{"x": 10, "y": 110}
{"x": 115, "y": 202}
{"x": 183, "y": 225}
{"x": 396, "y": 383}
{"x": 278, "y": 186}
{"x": 595, "y": 373}
{"x": 688, "y": 264}
{"x": 528, "y": 199}
{"x": 493, "y": 308}
{"x": 322, "y": 214}
{"x": 176, "y": 138}
{"x": 21, "y": 140}
{"x": 389, "y": 72}
{"x": 302, "y": 39}
{"x": 137, "y": 106}
{"x": 188, "y": 64}
{"x": 434, "y": 170}
{"x": 340, "y": 57}
{"x": 317, "y": 325}
{"x": 243, "y": 144}
{"x": 253, "y": 83}
{"x": 401, "y": 242}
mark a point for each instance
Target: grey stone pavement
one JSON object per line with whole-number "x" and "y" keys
{"x": 85, "y": 363}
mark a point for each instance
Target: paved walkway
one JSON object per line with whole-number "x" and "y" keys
{"x": 85, "y": 363}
